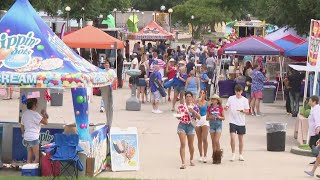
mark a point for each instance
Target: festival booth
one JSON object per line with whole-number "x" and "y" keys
{"x": 92, "y": 37}
{"x": 34, "y": 59}
{"x": 152, "y": 32}
{"x": 255, "y": 46}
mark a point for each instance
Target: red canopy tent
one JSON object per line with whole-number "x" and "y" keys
{"x": 152, "y": 31}
{"x": 91, "y": 37}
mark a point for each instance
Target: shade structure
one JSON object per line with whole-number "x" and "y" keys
{"x": 110, "y": 21}
{"x": 253, "y": 45}
{"x": 288, "y": 42}
{"x": 282, "y": 32}
{"x": 133, "y": 23}
{"x": 300, "y": 50}
{"x": 152, "y": 31}
{"x": 31, "y": 55}
{"x": 92, "y": 37}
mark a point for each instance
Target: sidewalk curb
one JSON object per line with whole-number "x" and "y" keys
{"x": 301, "y": 152}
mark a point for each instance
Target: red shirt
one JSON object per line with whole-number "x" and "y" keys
{"x": 218, "y": 109}
{"x": 171, "y": 72}
{"x": 186, "y": 118}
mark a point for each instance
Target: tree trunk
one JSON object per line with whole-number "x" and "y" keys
{"x": 212, "y": 26}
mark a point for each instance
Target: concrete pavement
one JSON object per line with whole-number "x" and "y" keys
{"x": 159, "y": 143}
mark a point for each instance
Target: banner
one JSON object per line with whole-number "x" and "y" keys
{"x": 314, "y": 42}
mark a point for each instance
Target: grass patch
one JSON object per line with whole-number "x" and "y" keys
{"x": 304, "y": 147}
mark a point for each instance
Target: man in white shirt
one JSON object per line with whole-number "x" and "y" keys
{"x": 134, "y": 62}
{"x": 314, "y": 129}
{"x": 238, "y": 107}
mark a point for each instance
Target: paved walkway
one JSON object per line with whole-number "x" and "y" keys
{"x": 159, "y": 144}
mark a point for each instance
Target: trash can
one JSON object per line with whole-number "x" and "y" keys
{"x": 268, "y": 94}
{"x": 276, "y": 136}
{"x": 56, "y": 97}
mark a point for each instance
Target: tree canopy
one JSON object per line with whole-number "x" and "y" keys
{"x": 291, "y": 13}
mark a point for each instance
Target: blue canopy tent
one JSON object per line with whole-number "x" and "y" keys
{"x": 300, "y": 50}
{"x": 286, "y": 45}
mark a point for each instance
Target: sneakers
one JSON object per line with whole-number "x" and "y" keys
{"x": 204, "y": 160}
{"x": 156, "y": 111}
{"x": 233, "y": 157}
{"x": 310, "y": 173}
{"x": 259, "y": 114}
{"x": 241, "y": 158}
{"x": 200, "y": 159}
{"x": 102, "y": 109}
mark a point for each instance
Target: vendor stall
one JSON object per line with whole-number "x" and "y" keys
{"x": 255, "y": 46}
{"x": 34, "y": 59}
{"x": 152, "y": 31}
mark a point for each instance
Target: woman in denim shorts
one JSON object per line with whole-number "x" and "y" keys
{"x": 31, "y": 122}
{"x": 187, "y": 112}
{"x": 215, "y": 115}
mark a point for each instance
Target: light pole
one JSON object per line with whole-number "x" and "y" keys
{"x": 142, "y": 18}
{"x": 162, "y": 8}
{"x": 170, "y": 11}
{"x": 82, "y": 10}
{"x": 192, "y": 18}
{"x": 68, "y": 9}
{"x": 115, "y": 17}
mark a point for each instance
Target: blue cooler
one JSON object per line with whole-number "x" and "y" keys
{"x": 30, "y": 169}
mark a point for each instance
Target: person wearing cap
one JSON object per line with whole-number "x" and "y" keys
{"x": 215, "y": 116}
{"x": 31, "y": 122}
{"x": 155, "y": 94}
{"x": 171, "y": 70}
{"x": 237, "y": 107}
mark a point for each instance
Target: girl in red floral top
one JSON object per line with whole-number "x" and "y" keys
{"x": 186, "y": 130}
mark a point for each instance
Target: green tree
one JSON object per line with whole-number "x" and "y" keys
{"x": 206, "y": 13}
{"x": 154, "y": 5}
{"x": 291, "y": 13}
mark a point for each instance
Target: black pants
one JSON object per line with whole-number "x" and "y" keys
{"x": 119, "y": 76}
{"x": 208, "y": 89}
{"x": 287, "y": 96}
{"x": 313, "y": 140}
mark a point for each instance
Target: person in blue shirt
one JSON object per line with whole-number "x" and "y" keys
{"x": 179, "y": 85}
{"x": 155, "y": 94}
{"x": 204, "y": 80}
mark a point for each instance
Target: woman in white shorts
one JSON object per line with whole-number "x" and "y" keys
{"x": 202, "y": 128}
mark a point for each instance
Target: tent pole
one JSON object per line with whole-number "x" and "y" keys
{"x": 116, "y": 48}
{"x": 281, "y": 76}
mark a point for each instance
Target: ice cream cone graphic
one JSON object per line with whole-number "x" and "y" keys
{"x": 4, "y": 53}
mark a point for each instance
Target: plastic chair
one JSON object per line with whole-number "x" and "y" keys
{"x": 65, "y": 152}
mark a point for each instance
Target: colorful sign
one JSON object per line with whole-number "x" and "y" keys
{"x": 19, "y": 150}
{"x": 124, "y": 149}
{"x": 28, "y": 48}
{"x": 314, "y": 43}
